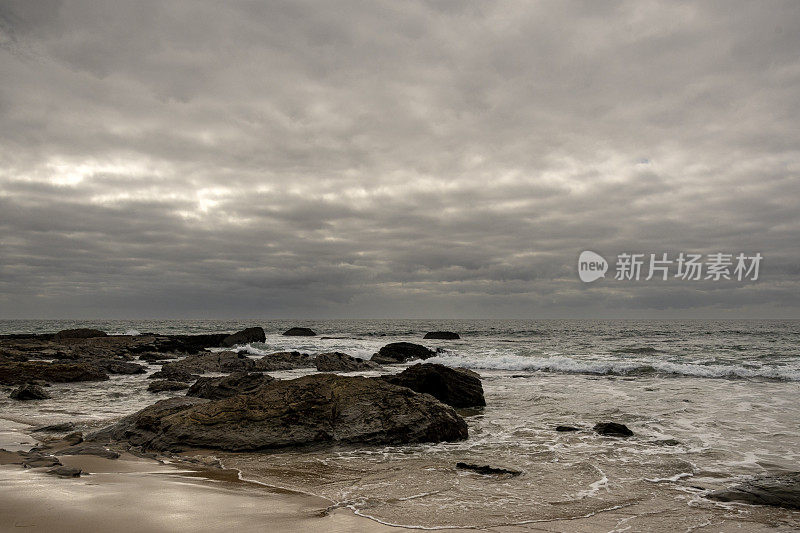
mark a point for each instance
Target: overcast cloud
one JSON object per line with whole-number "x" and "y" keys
{"x": 393, "y": 159}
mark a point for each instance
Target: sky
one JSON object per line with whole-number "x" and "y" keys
{"x": 383, "y": 159}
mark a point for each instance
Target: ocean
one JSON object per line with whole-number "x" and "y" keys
{"x": 709, "y": 402}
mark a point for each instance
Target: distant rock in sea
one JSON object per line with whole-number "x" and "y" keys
{"x": 446, "y": 335}
{"x": 400, "y": 352}
{"x": 245, "y": 336}
{"x": 299, "y": 332}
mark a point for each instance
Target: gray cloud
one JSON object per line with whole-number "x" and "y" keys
{"x": 421, "y": 159}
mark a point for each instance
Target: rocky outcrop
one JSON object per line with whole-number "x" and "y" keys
{"x": 120, "y": 367}
{"x": 613, "y": 429}
{"x": 166, "y": 385}
{"x": 777, "y": 490}
{"x": 320, "y": 408}
{"x": 173, "y": 374}
{"x": 284, "y": 361}
{"x": 212, "y": 362}
{"x": 341, "y": 362}
{"x": 227, "y": 386}
{"x": 453, "y": 386}
{"x": 245, "y": 336}
{"x": 400, "y": 352}
{"x": 17, "y": 373}
{"x": 29, "y": 392}
{"x": 80, "y": 333}
{"x": 299, "y": 332}
{"x": 445, "y": 335}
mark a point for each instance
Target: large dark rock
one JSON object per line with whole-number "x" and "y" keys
{"x": 284, "y": 361}
{"x": 613, "y": 429}
{"x": 299, "y": 332}
{"x": 187, "y": 343}
{"x": 341, "y": 362}
{"x": 80, "y": 333}
{"x": 445, "y": 335}
{"x": 487, "y": 470}
{"x": 400, "y": 352}
{"x": 778, "y": 490}
{"x": 454, "y": 386}
{"x": 167, "y": 385}
{"x": 29, "y": 392}
{"x": 244, "y": 337}
{"x": 17, "y": 373}
{"x": 320, "y": 408}
{"x": 173, "y": 374}
{"x": 120, "y": 367}
{"x": 65, "y": 471}
{"x": 212, "y": 362}
{"x": 227, "y": 386}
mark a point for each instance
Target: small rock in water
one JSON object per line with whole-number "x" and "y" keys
{"x": 299, "y": 332}
{"x": 666, "y": 442}
{"x": 567, "y": 428}
{"x": 777, "y": 490}
{"x": 444, "y": 335}
{"x": 400, "y": 352}
{"x": 244, "y": 337}
{"x": 66, "y": 471}
{"x": 29, "y": 392}
{"x": 613, "y": 429}
{"x": 487, "y": 470}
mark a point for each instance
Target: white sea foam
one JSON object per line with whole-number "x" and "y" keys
{"x": 132, "y": 332}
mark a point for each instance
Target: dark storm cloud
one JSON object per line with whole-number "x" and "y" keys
{"x": 393, "y": 159}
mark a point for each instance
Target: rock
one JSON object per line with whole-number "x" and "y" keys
{"x": 454, "y": 386}
{"x": 34, "y": 459}
{"x": 164, "y": 385}
{"x": 667, "y": 442}
{"x": 341, "y": 362}
{"x": 80, "y": 333}
{"x": 29, "y": 392}
{"x": 320, "y": 408}
{"x": 173, "y": 374}
{"x": 487, "y": 470}
{"x": 613, "y": 429}
{"x": 188, "y": 343}
{"x": 227, "y": 386}
{"x": 152, "y": 357}
{"x": 445, "y": 335}
{"x": 284, "y": 361}
{"x": 89, "y": 449}
{"x": 56, "y": 428}
{"x": 65, "y": 471}
{"x": 245, "y": 336}
{"x": 777, "y": 490}
{"x": 212, "y": 362}
{"x": 400, "y": 352}
{"x": 120, "y": 367}
{"x": 299, "y": 332}
{"x": 567, "y": 428}
{"x": 17, "y": 373}
{"x": 76, "y": 437}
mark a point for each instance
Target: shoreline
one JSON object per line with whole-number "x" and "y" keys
{"x": 136, "y": 494}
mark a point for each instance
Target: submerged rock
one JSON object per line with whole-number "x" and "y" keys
{"x": 341, "y": 362}
{"x": 320, "y": 408}
{"x": 454, "y": 386}
{"x": 445, "y": 335}
{"x": 18, "y": 373}
{"x": 164, "y": 385}
{"x": 487, "y": 470}
{"x": 284, "y": 361}
{"x": 400, "y": 352}
{"x": 299, "y": 332}
{"x": 245, "y": 336}
{"x": 227, "y": 386}
{"x": 79, "y": 333}
{"x": 613, "y": 429}
{"x": 29, "y": 392}
{"x": 777, "y": 490}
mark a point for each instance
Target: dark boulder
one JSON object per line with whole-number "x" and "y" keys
{"x": 400, "y": 352}
{"x": 453, "y": 386}
{"x": 284, "y": 361}
{"x": 80, "y": 333}
{"x": 341, "y": 362}
{"x": 299, "y": 332}
{"x": 173, "y": 374}
{"x": 227, "y": 386}
{"x": 18, "y": 373}
{"x": 245, "y": 336}
{"x": 65, "y": 471}
{"x": 444, "y": 335}
{"x": 487, "y": 470}
{"x": 777, "y": 490}
{"x": 613, "y": 429}
{"x": 320, "y": 408}
{"x": 165, "y": 385}
{"x": 55, "y": 428}
{"x": 120, "y": 367}
{"x": 29, "y": 392}
{"x": 566, "y": 429}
